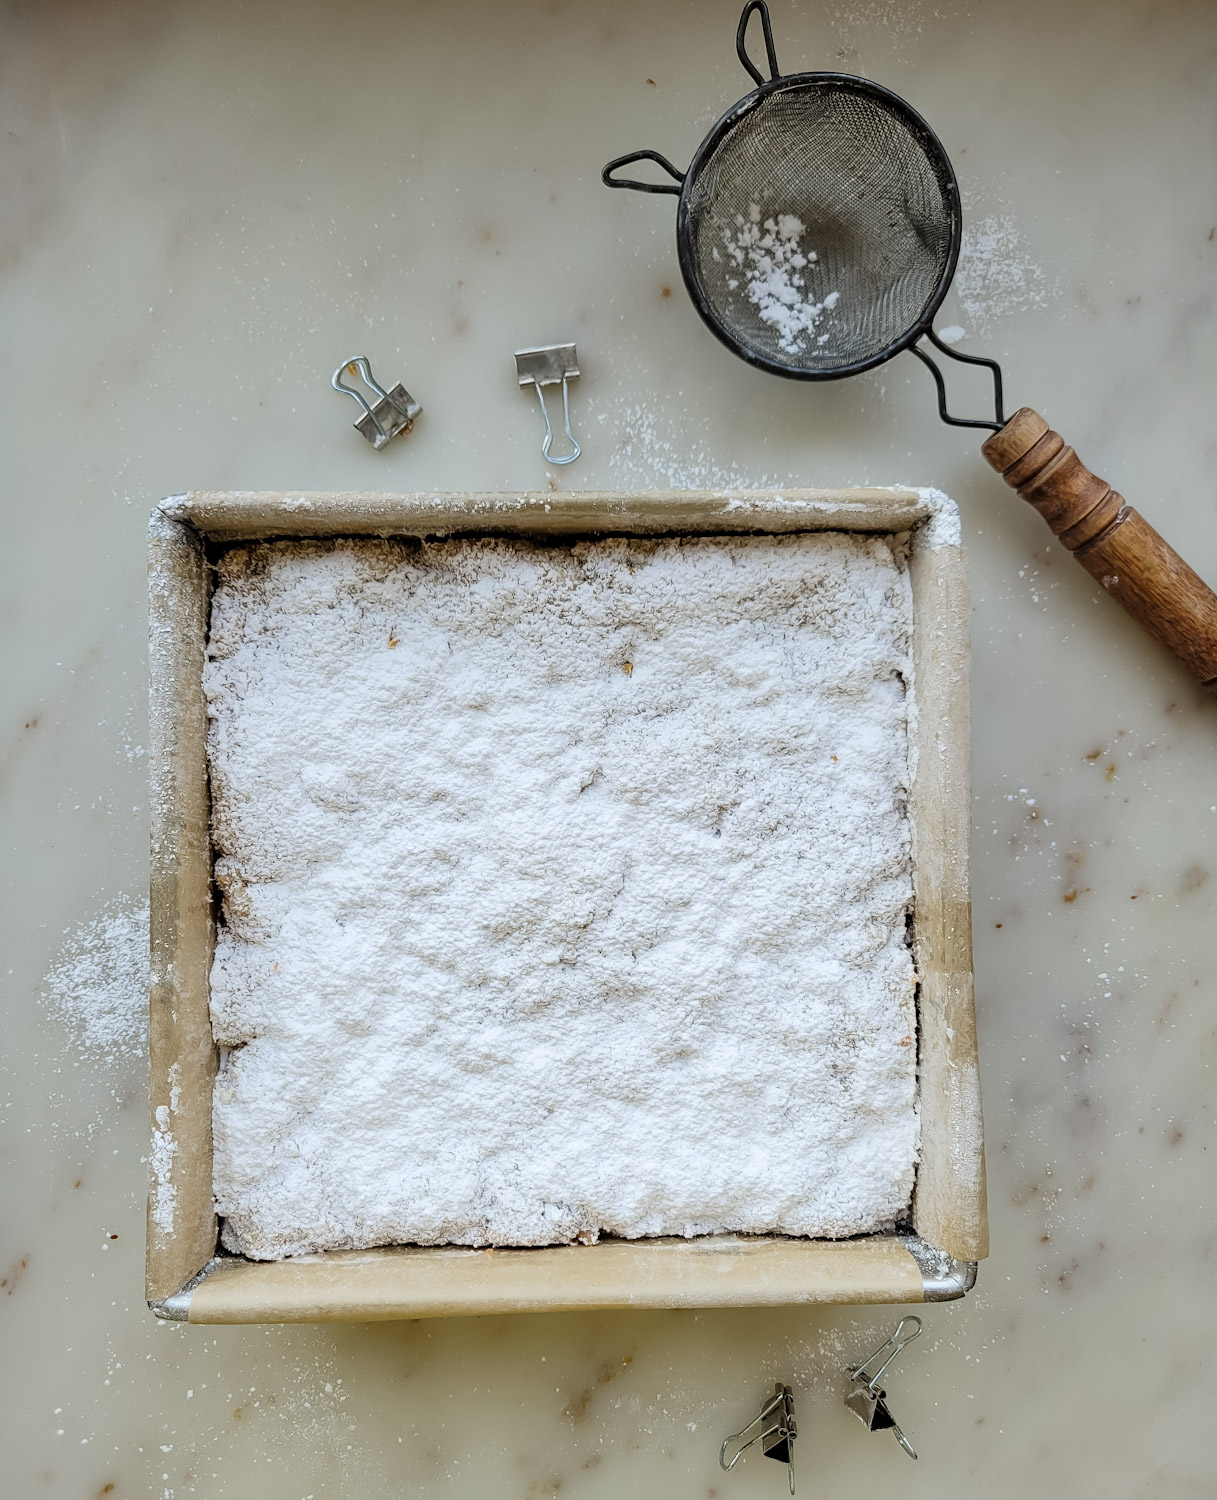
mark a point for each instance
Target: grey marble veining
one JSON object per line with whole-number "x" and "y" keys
{"x": 205, "y": 208}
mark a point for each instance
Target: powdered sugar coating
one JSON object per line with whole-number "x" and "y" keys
{"x": 564, "y": 890}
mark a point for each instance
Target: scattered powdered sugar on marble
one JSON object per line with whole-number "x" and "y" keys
{"x": 98, "y": 986}
{"x": 895, "y": 20}
{"x": 564, "y": 890}
{"x": 773, "y": 271}
{"x": 647, "y": 448}
{"x": 995, "y": 276}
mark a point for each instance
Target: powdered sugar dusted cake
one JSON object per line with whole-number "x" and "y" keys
{"x": 564, "y": 890}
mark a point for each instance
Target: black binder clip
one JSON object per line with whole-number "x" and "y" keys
{"x": 774, "y": 1429}
{"x": 867, "y": 1399}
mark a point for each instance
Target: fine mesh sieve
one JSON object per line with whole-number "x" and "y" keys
{"x": 818, "y": 226}
{"x": 818, "y": 230}
{"x": 879, "y": 209}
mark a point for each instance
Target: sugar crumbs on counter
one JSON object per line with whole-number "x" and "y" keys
{"x": 564, "y": 890}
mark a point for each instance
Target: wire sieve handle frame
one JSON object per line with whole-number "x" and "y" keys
{"x": 741, "y": 43}
{"x": 967, "y": 359}
{"x": 675, "y": 188}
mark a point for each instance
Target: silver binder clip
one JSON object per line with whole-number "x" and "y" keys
{"x": 867, "y": 1399}
{"x": 548, "y": 366}
{"x": 774, "y": 1430}
{"x": 394, "y": 411}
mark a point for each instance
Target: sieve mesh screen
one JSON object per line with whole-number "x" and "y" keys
{"x": 819, "y": 167}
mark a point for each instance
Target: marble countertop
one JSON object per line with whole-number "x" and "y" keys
{"x": 205, "y": 208}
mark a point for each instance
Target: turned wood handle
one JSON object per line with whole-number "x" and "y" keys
{"x": 1110, "y": 540}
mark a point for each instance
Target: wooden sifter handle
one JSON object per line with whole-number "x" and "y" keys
{"x": 1110, "y": 540}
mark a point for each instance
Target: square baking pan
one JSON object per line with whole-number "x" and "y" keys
{"x": 933, "y": 1258}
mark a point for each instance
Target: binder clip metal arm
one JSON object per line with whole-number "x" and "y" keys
{"x": 774, "y": 1429}
{"x": 867, "y": 1399}
{"x": 544, "y": 366}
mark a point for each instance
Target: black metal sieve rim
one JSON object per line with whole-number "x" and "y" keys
{"x": 738, "y": 113}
